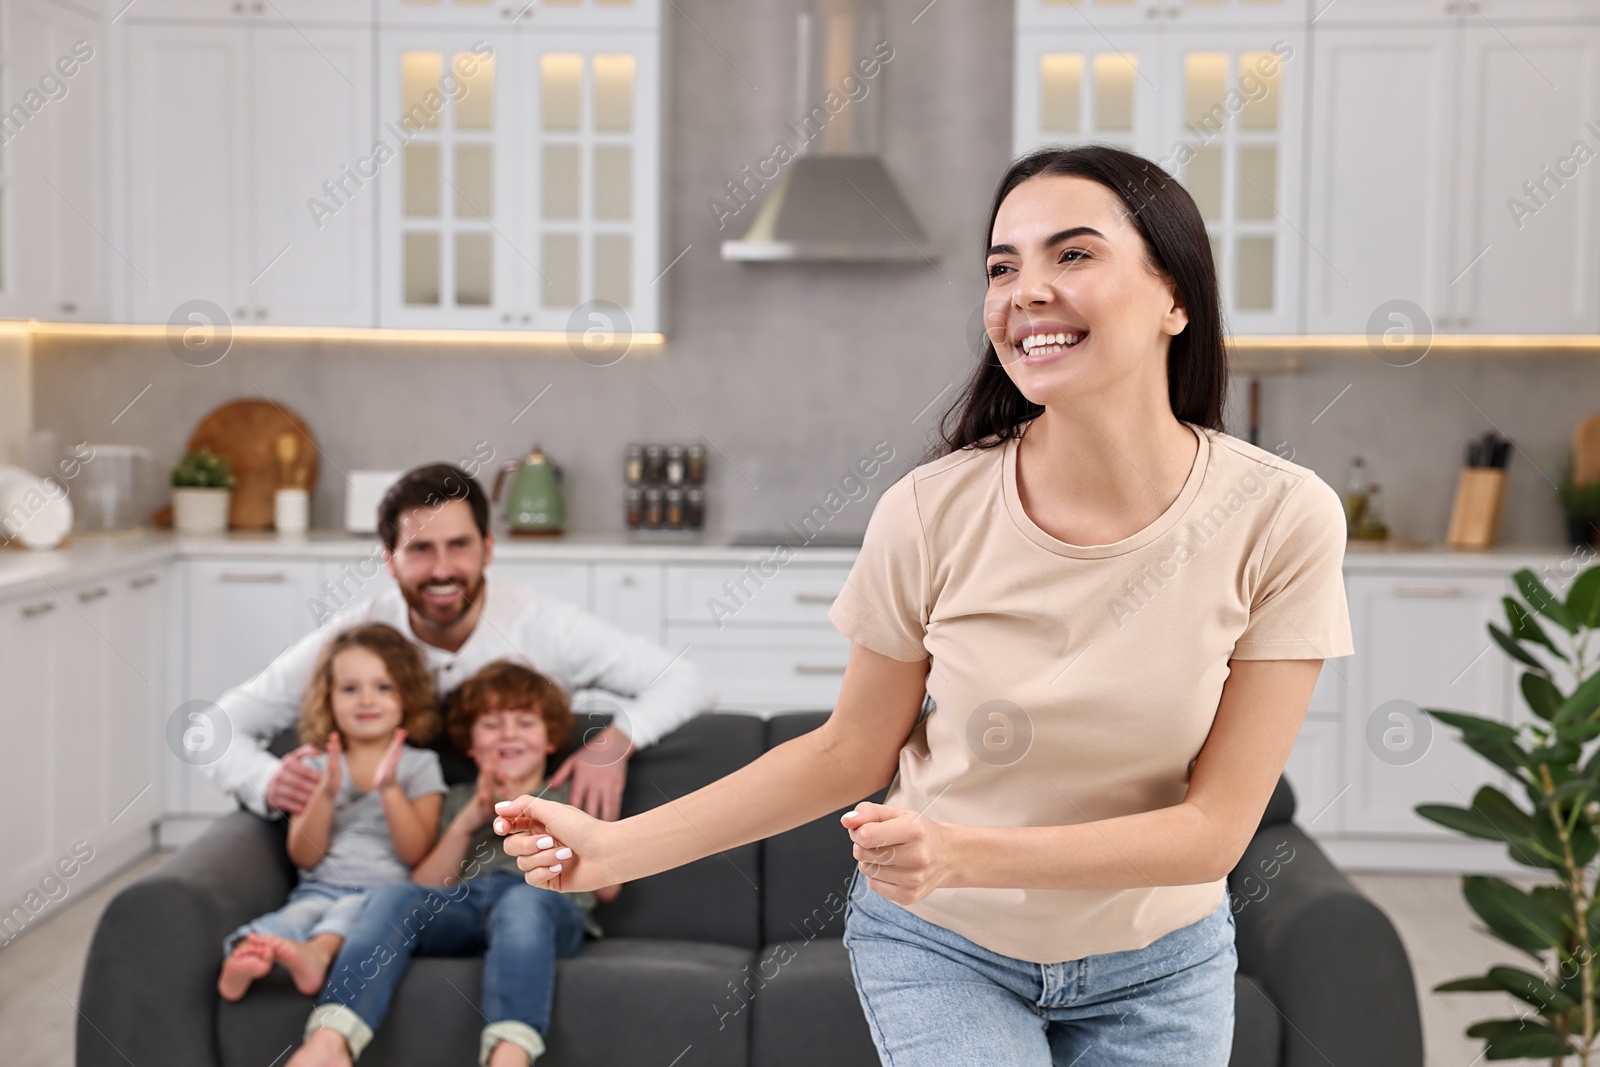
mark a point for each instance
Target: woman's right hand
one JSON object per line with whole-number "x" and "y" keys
{"x": 556, "y": 845}
{"x": 332, "y": 772}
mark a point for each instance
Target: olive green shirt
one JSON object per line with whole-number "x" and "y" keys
{"x": 484, "y": 851}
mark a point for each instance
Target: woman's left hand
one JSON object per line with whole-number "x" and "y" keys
{"x": 904, "y": 855}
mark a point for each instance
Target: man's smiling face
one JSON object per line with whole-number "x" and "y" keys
{"x": 438, "y": 560}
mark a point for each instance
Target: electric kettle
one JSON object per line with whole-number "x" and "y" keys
{"x": 534, "y": 507}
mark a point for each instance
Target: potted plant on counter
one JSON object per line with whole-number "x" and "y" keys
{"x": 1552, "y": 826}
{"x": 202, "y": 487}
{"x": 1581, "y": 506}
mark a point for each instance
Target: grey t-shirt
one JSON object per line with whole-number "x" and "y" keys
{"x": 360, "y": 851}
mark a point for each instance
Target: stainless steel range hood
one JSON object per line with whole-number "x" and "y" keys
{"x": 834, "y": 200}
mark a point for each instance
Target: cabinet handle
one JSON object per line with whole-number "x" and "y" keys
{"x": 261, "y": 313}
{"x": 627, "y": 579}
{"x": 68, "y": 307}
{"x": 819, "y": 668}
{"x": 238, "y": 9}
{"x": 144, "y": 581}
{"x": 527, "y": 318}
{"x": 815, "y": 598}
{"x": 505, "y": 316}
{"x": 263, "y": 577}
{"x": 89, "y": 596}
{"x": 1427, "y": 590}
{"x": 241, "y": 313}
{"x": 35, "y": 610}
{"x": 257, "y": 7}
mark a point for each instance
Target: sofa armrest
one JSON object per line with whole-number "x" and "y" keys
{"x": 1328, "y": 957}
{"x": 149, "y": 992}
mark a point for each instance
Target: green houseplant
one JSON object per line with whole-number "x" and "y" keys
{"x": 202, "y": 488}
{"x": 1552, "y": 827}
{"x": 1580, "y": 504}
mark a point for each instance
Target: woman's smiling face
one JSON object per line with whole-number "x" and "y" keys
{"x": 1066, "y": 264}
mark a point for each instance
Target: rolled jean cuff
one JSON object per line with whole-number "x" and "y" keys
{"x": 521, "y": 1035}
{"x": 346, "y": 1023}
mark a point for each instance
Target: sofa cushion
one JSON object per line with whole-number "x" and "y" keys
{"x": 1257, "y": 1026}
{"x": 803, "y": 1007}
{"x": 666, "y": 988}
{"x": 712, "y": 899}
{"x": 806, "y": 871}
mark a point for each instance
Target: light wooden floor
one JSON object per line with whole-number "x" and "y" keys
{"x": 40, "y": 971}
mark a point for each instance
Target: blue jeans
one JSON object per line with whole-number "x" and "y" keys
{"x": 935, "y": 999}
{"x": 313, "y": 908}
{"x": 520, "y": 931}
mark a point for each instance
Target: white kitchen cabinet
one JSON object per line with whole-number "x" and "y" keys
{"x": 572, "y": 582}
{"x": 1107, "y": 14}
{"x": 251, "y": 12}
{"x": 1221, "y": 109}
{"x": 313, "y": 178}
{"x": 29, "y": 644}
{"x": 527, "y": 186}
{"x": 1421, "y": 642}
{"x": 241, "y": 614}
{"x": 79, "y": 713}
{"x": 727, "y": 594}
{"x": 1313, "y": 771}
{"x": 234, "y": 131}
{"x": 1326, "y": 14}
{"x": 766, "y": 669}
{"x": 631, "y": 596}
{"x": 1527, "y": 250}
{"x": 136, "y": 695}
{"x": 56, "y": 209}
{"x": 1381, "y": 164}
{"x": 522, "y": 14}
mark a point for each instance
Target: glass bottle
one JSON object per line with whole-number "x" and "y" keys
{"x": 634, "y": 496}
{"x": 674, "y": 464}
{"x": 675, "y": 508}
{"x": 634, "y": 467}
{"x": 1356, "y": 496}
{"x": 694, "y": 508}
{"x": 652, "y": 508}
{"x": 695, "y": 460}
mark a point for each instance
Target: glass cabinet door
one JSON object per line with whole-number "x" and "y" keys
{"x": 590, "y": 150}
{"x": 448, "y": 229}
{"x": 521, "y": 14}
{"x": 1107, "y": 14}
{"x": 1233, "y": 114}
{"x": 1073, "y": 87}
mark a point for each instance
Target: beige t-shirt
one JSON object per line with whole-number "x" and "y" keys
{"x": 1078, "y": 683}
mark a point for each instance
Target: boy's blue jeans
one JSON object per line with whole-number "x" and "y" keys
{"x": 520, "y": 930}
{"x": 935, "y": 999}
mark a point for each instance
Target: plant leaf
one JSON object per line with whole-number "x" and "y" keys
{"x": 1541, "y": 694}
{"x": 1515, "y": 917}
{"x": 1474, "y": 725}
{"x": 1515, "y": 1039}
{"x": 1581, "y": 704}
{"x": 1531, "y": 988}
{"x": 1543, "y": 601}
{"x": 1475, "y": 984}
{"x": 1514, "y": 650}
{"x": 1524, "y": 627}
{"x": 1462, "y": 820}
{"x": 1583, "y": 599}
{"x": 1503, "y": 754}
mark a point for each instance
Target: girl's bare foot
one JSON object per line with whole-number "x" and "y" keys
{"x": 306, "y": 961}
{"x": 323, "y": 1048}
{"x": 250, "y": 959}
{"x": 505, "y": 1054}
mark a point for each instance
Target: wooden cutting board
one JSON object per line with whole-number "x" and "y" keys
{"x": 1586, "y": 451}
{"x": 245, "y": 433}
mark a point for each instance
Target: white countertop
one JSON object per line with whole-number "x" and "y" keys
{"x": 86, "y": 556}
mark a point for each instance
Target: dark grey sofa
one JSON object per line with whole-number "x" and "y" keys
{"x": 736, "y": 956}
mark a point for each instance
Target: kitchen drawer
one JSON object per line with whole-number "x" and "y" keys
{"x": 727, "y": 595}
{"x": 767, "y": 668}
{"x": 565, "y": 581}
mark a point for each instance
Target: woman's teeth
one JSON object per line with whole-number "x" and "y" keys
{"x": 1046, "y": 344}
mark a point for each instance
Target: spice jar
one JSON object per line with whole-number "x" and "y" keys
{"x": 634, "y": 466}
{"x": 655, "y": 463}
{"x": 674, "y": 464}
{"x": 695, "y": 460}
{"x": 675, "y": 509}
{"x": 635, "y": 506}
{"x": 652, "y": 508}
{"x": 694, "y": 508}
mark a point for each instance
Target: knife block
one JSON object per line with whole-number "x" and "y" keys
{"x": 1475, "y": 518}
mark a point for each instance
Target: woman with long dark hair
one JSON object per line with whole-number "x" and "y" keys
{"x": 1119, "y": 613}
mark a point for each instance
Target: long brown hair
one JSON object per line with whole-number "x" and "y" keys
{"x": 990, "y": 409}
{"x": 419, "y": 716}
